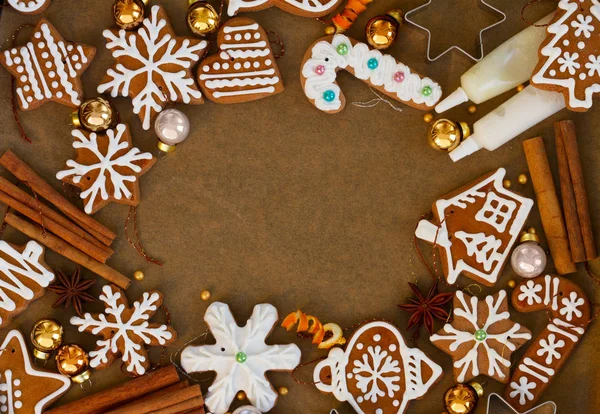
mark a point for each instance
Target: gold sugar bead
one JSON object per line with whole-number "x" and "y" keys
{"x": 522, "y": 179}
{"x": 241, "y": 396}
{"x": 520, "y": 88}
{"x": 205, "y": 295}
{"x": 330, "y": 30}
{"x": 512, "y": 284}
{"x": 507, "y": 184}
{"x": 138, "y": 275}
{"x": 428, "y": 118}
{"x": 283, "y": 391}
{"x": 472, "y": 109}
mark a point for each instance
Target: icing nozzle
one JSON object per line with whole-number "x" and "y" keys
{"x": 467, "y": 147}
{"x": 455, "y": 98}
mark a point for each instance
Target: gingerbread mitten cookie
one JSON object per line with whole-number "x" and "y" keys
{"x": 48, "y": 68}
{"x": 125, "y": 330}
{"x": 377, "y": 372}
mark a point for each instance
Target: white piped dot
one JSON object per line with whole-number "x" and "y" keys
{"x": 246, "y": 65}
{"x": 23, "y": 78}
{"x": 359, "y": 400}
{"x": 359, "y": 346}
{"x": 29, "y": 99}
{"x": 582, "y": 76}
{"x": 581, "y": 45}
{"x": 396, "y": 403}
{"x": 566, "y": 42}
{"x": 216, "y": 66}
{"x": 257, "y": 35}
{"x": 55, "y": 84}
{"x": 78, "y": 66}
{"x": 48, "y": 64}
{"x": 41, "y": 45}
{"x": 349, "y": 375}
{"x": 75, "y": 58}
{"x": 18, "y": 404}
{"x": 17, "y": 60}
{"x": 393, "y": 348}
{"x": 237, "y": 65}
{"x": 38, "y": 35}
{"x": 256, "y": 64}
{"x": 26, "y": 88}
{"x": 18, "y": 393}
{"x": 552, "y": 72}
{"x": 227, "y": 37}
{"x": 205, "y": 68}
{"x": 247, "y": 36}
{"x": 238, "y": 37}
{"x": 59, "y": 94}
{"x": 45, "y": 55}
{"x": 70, "y": 48}
{"x": 14, "y": 51}
{"x": 268, "y": 62}
{"x": 225, "y": 66}
{"x": 379, "y": 411}
{"x": 20, "y": 69}
{"x": 377, "y": 338}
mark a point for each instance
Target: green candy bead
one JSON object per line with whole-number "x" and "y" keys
{"x": 426, "y": 91}
{"x": 241, "y": 357}
{"x": 480, "y": 335}
{"x": 342, "y": 49}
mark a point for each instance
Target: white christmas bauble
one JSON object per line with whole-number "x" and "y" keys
{"x": 528, "y": 260}
{"x": 247, "y": 409}
{"x": 172, "y": 126}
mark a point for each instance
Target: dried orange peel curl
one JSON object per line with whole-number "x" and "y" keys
{"x": 342, "y": 21}
{"x": 312, "y": 326}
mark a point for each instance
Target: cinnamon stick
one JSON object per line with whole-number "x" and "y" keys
{"x": 175, "y": 387}
{"x": 135, "y": 388}
{"x": 20, "y": 170}
{"x": 550, "y": 212}
{"x": 183, "y": 407}
{"x": 31, "y": 202}
{"x": 568, "y": 198}
{"x": 64, "y": 249}
{"x": 166, "y": 400}
{"x": 583, "y": 210}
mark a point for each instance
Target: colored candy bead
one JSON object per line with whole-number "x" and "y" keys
{"x": 426, "y": 90}
{"x": 319, "y": 70}
{"x": 241, "y": 357}
{"x": 329, "y": 96}
{"x": 399, "y": 76}
{"x": 372, "y": 63}
{"x": 480, "y": 335}
{"x": 342, "y": 49}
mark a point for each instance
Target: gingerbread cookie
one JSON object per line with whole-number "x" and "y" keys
{"x": 240, "y": 357}
{"x": 29, "y": 6}
{"x": 481, "y": 337}
{"x": 125, "y": 330}
{"x": 153, "y": 66}
{"x": 48, "y": 68}
{"x": 377, "y": 372}
{"x": 23, "y": 388}
{"x": 23, "y": 278}
{"x": 244, "y": 69}
{"x": 330, "y": 54}
{"x": 570, "y": 56}
{"x": 313, "y": 8}
{"x": 107, "y": 168}
{"x": 569, "y": 310}
{"x": 475, "y": 228}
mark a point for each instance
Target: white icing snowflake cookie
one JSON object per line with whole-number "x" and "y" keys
{"x": 153, "y": 66}
{"x": 313, "y": 8}
{"x": 377, "y": 372}
{"x": 29, "y": 6}
{"x": 481, "y": 337}
{"x": 48, "y": 68}
{"x": 240, "y": 357}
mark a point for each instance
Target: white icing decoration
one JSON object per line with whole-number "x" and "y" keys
{"x": 583, "y": 26}
{"x": 542, "y": 373}
{"x": 522, "y": 389}
{"x": 496, "y": 212}
{"x": 233, "y": 376}
{"x": 484, "y": 248}
{"x": 497, "y": 363}
{"x": 378, "y": 370}
{"x": 129, "y": 332}
{"x": 8, "y": 393}
{"x": 325, "y": 53}
{"x": 550, "y": 348}
{"x": 429, "y": 232}
{"x": 27, "y": 6}
{"x": 313, "y": 6}
{"x": 105, "y": 165}
{"x": 179, "y": 86}
{"x": 570, "y": 306}
{"x": 529, "y": 292}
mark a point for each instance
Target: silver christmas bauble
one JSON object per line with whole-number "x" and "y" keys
{"x": 247, "y": 409}
{"x": 528, "y": 260}
{"x": 172, "y": 126}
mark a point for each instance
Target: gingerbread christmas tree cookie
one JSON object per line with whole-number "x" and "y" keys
{"x": 48, "y": 68}
{"x": 23, "y": 388}
{"x": 107, "y": 168}
{"x": 153, "y": 66}
{"x": 125, "y": 330}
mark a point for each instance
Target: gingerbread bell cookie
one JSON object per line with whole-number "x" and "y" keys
{"x": 481, "y": 337}
{"x": 382, "y": 72}
{"x": 107, "y": 168}
{"x": 313, "y": 8}
{"x": 244, "y": 68}
{"x": 569, "y": 312}
{"x": 47, "y": 68}
{"x": 240, "y": 357}
{"x": 125, "y": 330}
{"x": 153, "y": 66}
{"x": 475, "y": 228}
{"x": 377, "y": 372}
{"x": 29, "y": 6}
{"x": 570, "y": 56}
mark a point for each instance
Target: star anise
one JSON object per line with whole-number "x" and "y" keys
{"x": 71, "y": 291}
{"x": 425, "y": 308}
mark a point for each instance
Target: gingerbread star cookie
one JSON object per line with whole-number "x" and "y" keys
{"x": 153, "y": 66}
{"x": 244, "y": 69}
{"x": 29, "y": 6}
{"x": 48, "y": 68}
{"x": 125, "y": 330}
{"x": 24, "y": 389}
{"x": 107, "y": 168}
{"x": 481, "y": 337}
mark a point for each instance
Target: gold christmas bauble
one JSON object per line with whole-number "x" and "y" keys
{"x": 382, "y": 31}
{"x": 46, "y": 337}
{"x": 202, "y": 18}
{"x": 73, "y": 361}
{"x": 462, "y": 398}
{"x": 95, "y": 115}
{"x": 446, "y": 135}
{"x": 129, "y": 14}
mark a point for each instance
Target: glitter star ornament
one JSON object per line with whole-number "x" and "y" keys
{"x": 481, "y": 337}
{"x": 24, "y": 389}
{"x": 153, "y": 66}
{"x": 47, "y": 68}
{"x": 240, "y": 357}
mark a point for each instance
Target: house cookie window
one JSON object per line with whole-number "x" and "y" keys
{"x": 496, "y": 212}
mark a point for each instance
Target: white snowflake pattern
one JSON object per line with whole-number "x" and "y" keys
{"x": 124, "y": 331}
{"x": 593, "y": 65}
{"x": 105, "y": 165}
{"x": 498, "y": 363}
{"x": 376, "y": 366}
{"x": 522, "y": 390}
{"x": 569, "y": 62}
{"x": 240, "y": 357}
{"x": 583, "y": 26}
{"x": 570, "y": 306}
{"x": 550, "y": 347}
{"x": 484, "y": 248}
{"x": 530, "y": 291}
{"x": 166, "y": 77}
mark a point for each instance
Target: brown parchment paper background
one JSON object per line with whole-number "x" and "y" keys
{"x": 274, "y": 201}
